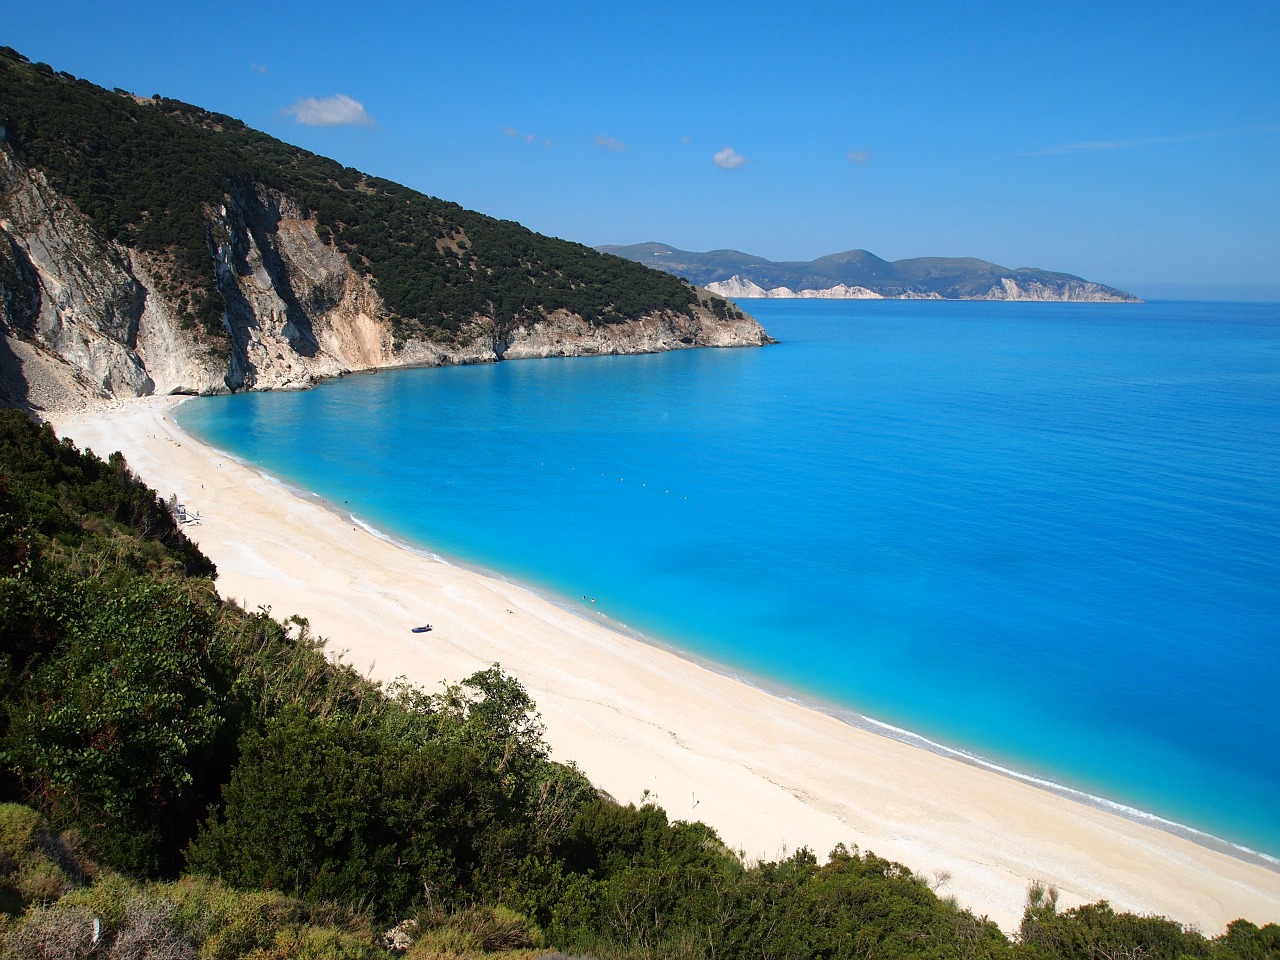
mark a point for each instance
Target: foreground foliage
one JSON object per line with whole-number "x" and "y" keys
{"x": 185, "y": 779}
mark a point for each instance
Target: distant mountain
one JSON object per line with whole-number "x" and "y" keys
{"x": 857, "y": 274}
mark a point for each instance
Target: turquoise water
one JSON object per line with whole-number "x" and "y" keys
{"x": 1045, "y": 534}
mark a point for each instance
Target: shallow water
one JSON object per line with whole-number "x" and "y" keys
{"x": 1044, "y": 534}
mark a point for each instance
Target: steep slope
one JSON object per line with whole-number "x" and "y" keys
{"x": 863, "y": 275}
{"x": 150, "y": 246}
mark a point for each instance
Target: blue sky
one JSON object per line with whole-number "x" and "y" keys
{"x": 1133, "y": 143}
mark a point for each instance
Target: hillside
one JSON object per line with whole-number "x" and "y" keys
{"x": 147, "y": 245}
{"x": 863, "y": 275}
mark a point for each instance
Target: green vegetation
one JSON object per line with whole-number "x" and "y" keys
{"x": 152, "y": 172}
{"x": 180, "y": 778}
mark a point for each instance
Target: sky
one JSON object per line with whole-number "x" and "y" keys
{"x": 1132, "y": 143}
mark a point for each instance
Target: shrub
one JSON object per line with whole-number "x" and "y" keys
{"x": 117, "y": 727}
{"x": 52, "y": 933}
{"x": 317, "y": 943}
{"x": 229, "y": 924}
{"x": 36, "y": 865}
{"x": 149, "y": 933}
{"x": 108, "y": 900}
{"x": 477, "y": 929}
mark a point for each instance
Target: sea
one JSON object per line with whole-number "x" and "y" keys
{"x": 1043, "y": 536}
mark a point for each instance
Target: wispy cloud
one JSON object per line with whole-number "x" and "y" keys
{"x": 257, "y": 68}
{"x": 515, "y": 134}
{"x": 1095, "y": 146}
{"x": 859, "y": 156}
{"x": 729, "y": 159}
{"x": 336, "y": 111}
{"x": 610, "y": 143}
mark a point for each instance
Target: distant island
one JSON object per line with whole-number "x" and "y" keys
{"x": 860, "y": 275}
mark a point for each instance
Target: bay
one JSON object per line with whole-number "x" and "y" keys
{"x": 1045, "y": 535}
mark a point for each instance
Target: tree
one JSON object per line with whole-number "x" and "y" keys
{"x": 117, "y": 726}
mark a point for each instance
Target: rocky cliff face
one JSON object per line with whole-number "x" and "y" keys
{"x": 85, "y": 318}
{"x": 1073, "y": 290}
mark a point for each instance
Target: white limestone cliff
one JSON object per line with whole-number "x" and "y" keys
{"x": 1076, "y": 290}
{"x": 741, "y": 288}
{"x": 82, "y": 317}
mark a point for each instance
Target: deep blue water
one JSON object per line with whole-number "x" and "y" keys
{"x": 1045, "y": 534}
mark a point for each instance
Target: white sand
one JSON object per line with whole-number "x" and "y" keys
{"x": 769, "y": 775}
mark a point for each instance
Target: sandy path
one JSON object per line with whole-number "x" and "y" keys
{"x": 769, "y": 775}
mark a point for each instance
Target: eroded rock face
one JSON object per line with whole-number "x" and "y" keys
{"x": 567, "y": 335}
{"x": 295, "y": 309}
{"x": 64, "y": 288}
{"x": 1075, "y": 290}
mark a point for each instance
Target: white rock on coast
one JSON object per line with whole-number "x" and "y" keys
{"x": 742, "y": 288}
{"x": 738, "y": 287}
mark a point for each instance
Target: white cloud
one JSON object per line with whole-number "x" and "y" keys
{"x": 338, "y": 110}
{"x": 729, "y": 159}
{"x": 257, "y": 67}
{"x": 859, "y": 156}
{"x": 610, "y": 143}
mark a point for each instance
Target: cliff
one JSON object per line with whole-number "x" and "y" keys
{"x": 737, "y": 287}
{"x": 253, "y": 265}
{"x": 860, "y": 275}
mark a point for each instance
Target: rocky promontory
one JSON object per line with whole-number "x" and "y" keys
{"x": 150, "y": 247}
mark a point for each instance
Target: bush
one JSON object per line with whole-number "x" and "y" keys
{"x": 229, "y": 924}
{"x": 36, "y": 865}
{"x": 477, "y": 930}
{"x": 324, "y": 810}
{"x": 317, "y": 943}
{"x": 149, "y": 933}
{"x": 108, "y": 900}
{"x": 52, "y": 933}
{"x": 118, "y": 728}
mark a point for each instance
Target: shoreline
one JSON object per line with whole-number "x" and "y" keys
{"x": 765, "y": 685}
{"x": 769, "y": 770}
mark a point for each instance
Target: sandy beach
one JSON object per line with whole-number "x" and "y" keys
{"x": 768, "y": 774}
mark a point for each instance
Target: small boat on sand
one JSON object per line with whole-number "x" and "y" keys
{"x": 425, "y": 628}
